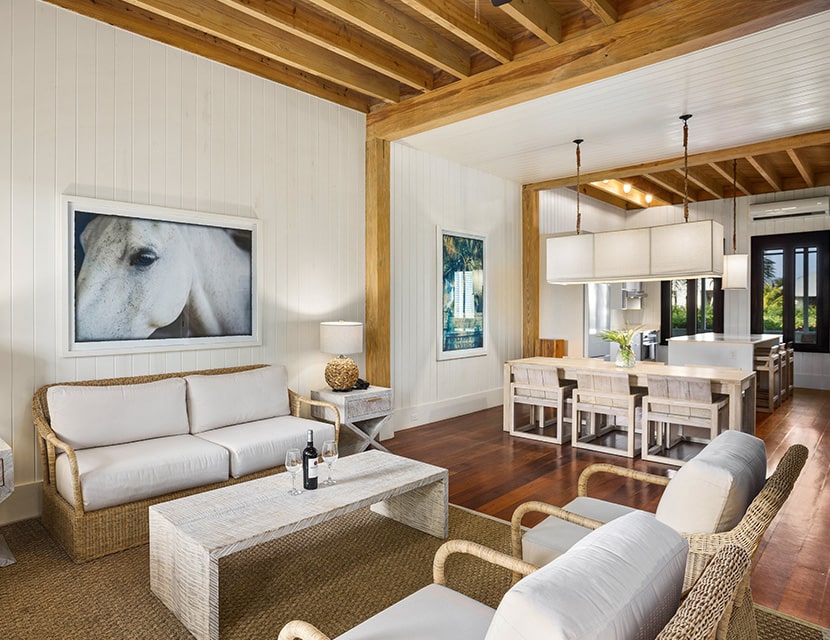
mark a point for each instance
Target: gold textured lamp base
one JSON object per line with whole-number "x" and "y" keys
{"x": 341, "y": 373}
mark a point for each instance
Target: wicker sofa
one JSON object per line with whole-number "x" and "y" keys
{"x": 111, "y": 448}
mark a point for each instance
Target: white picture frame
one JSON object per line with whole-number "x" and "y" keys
{"x": 128, "y": 268}
{"x": 462, "y": 299}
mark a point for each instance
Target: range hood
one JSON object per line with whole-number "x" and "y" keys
{"x": 666, "y": 252}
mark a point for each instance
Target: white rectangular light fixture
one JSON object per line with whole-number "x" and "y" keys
{"x": 735, "y": 271}
{"x": 682, "y": 250}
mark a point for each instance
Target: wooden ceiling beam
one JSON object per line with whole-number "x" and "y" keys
{"x": 802, "y": 167}
{"x": 538, "y": 17}
{"x": 672, "y": 186}
{"x": 149, "y": 25}
{"x": 341, "y": 39}
{"x": 464, "y": 26}
{"x": 608, "y": 198}
{"x": 701, "y": 183}
{"x": 707, "y": 157}
{"x": 661, "y": 32}
{"x": 395, "y": 27}
{"x": 251, "y": 34}
{"x": 602, "y": 9}
{"x": 765, "y": 171}
{"x": 727, "y": 175}
{"x": 643, "y": 184}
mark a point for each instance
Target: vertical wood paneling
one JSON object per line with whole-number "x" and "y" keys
{"x": 94, "y": 111}
{"x": 430, "y": 192}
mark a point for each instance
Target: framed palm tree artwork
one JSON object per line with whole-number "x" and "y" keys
{"x": 462, "y": 314}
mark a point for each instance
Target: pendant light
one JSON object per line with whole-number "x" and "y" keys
{"x": 735, "y": 265}
{"x": 685, "y": 119}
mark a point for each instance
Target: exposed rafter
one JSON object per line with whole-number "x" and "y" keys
{"x": 538, "y": 17}
{"x": 801, "y": 167}
{"x": 602, "y": 9}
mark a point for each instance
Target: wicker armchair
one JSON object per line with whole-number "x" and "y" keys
{"x": 86, "y": 535}
{"x": 702, "y": 546}
{"x": 696, "y": 618}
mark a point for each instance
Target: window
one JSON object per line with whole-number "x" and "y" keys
{"x": 690, "y": 306}
{"x": 791, "y": 288}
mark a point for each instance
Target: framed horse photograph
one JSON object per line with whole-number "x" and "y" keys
{"x": 148, "y": 278}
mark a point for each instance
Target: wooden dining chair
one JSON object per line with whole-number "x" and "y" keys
{"x": 606, "y": 411}
{"x": 541, "y": 389}
{"x": 680, "y": 416}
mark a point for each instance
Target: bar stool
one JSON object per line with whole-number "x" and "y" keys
{"x": 543, "y": 390}
{"x": 784, "y": 374}
{"x": 768, "y": 371}
{"x": 790, "y": 368}
{"x": 606, "y": 409}
{"x": 673, "y": 409}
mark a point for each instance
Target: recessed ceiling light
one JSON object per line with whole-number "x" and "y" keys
{"x": 626, "y": 187}
{"x": 649, "y": 198}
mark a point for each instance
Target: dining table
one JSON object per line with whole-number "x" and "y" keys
{"x": 737, "y": 384}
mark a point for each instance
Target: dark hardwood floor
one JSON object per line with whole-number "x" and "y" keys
{"x": 493, "y": 472}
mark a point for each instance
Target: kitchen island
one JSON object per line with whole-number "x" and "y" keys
{"x": 719, "y": 349}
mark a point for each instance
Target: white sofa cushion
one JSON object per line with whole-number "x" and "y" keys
{"x": 553, "y": 536}
{"x": 622, "y": 581}
{"x": 90, "y": 416}
{"x": 215, "y": 401}
{"x": 259, "y": 445}
{"x": 711, "y": 492}
{"x": 123, "y": 473}
{"x": 433, "y": 613}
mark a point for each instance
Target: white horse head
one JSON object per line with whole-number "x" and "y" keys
{"x": 140, "y": 275}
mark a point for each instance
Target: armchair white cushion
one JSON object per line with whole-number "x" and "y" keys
{"x": 434, "y": 612}
{"x": 622, "y": 581}
{"x": 712, "y": 491}
{"x": 708, "y": 494}
{"x": 215, "y": 401}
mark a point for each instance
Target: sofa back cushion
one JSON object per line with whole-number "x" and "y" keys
{"x": 215, "y": 401}
{"x": 711, "y": 492}
{"x": 93, "y": 416}
{"x": 622, "y": 581}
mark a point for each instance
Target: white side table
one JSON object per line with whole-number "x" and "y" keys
{"x": 363, "y": 413}
{"x": 6, "y": 488}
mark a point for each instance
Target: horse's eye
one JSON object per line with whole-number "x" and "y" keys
{"x": 143, "y": 258}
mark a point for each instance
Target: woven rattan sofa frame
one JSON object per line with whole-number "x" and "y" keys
{"x": 747, "y": 534}
{"x": 86, "y": 535}
{"x": 696, "y": 618}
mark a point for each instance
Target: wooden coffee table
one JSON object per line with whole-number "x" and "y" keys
{"x": 188, "y": 536}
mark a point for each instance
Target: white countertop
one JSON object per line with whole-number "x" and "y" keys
{"x": 728, "y": 338}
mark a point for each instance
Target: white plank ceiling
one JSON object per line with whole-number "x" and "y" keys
{"x": 765, "y": 86}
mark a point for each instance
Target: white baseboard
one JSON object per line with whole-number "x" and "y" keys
{"x": 811, "y": 381}
{"x": 22, "y": 504}
{"x": 414, "y": 416}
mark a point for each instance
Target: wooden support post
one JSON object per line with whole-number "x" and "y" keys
{"x": 378, "y": 277}
{"x": 530, "y": 272}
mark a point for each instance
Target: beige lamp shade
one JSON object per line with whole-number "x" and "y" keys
{"x": 735, "y": 271}
{"x": 341, "y": 338}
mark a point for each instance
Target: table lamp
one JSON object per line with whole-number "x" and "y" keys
{"x": 341, "y": 338}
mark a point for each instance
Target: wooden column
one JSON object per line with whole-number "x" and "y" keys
{"x": 378, "y": 288}
{"x": 530, "y": 271}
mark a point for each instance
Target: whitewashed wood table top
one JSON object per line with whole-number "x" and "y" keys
{"x": 233, "y": 518}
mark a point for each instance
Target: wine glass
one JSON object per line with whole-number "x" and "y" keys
{"x": 329, "y": 456}
{"x": 293, "y": 462}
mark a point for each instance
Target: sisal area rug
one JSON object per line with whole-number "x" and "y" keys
{"x": 333, "y": 575}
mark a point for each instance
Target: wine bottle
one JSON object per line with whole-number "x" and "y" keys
{"x": 310, "y": 458}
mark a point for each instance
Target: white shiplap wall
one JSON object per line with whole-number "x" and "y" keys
{"x": 91, "y": 110}
{"x": 430, "y": 192}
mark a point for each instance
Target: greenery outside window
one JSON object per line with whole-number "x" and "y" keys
{"x": 791, "y": 288}
{"x": 690, "y": 306}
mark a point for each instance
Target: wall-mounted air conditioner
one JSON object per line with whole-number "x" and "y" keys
{"x": 788, "y": 208}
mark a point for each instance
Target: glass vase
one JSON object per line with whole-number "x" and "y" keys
{"x": 625, "y": 356}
